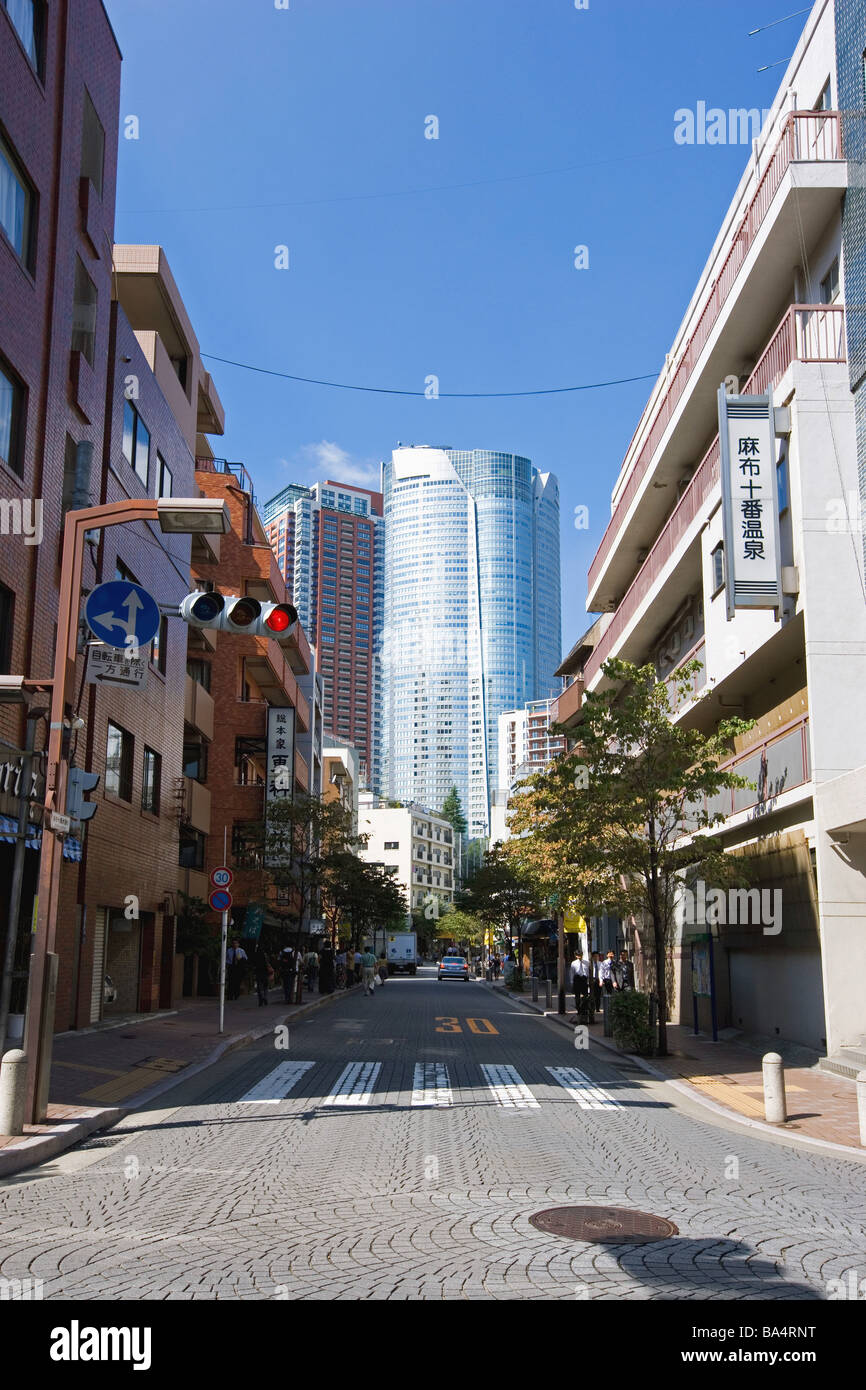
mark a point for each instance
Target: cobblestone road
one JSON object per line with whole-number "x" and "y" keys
{"x": 404, "y": 1161}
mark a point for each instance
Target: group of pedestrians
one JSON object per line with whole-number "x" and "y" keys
{"x": 603, "y": 975}
{"x": 317, "y": 968}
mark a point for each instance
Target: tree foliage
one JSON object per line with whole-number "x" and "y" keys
{"x": 501, "y": 894}
{"x": 452, "y": 811}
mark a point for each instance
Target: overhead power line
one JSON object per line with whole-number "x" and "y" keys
{"x": 452, "y": 395}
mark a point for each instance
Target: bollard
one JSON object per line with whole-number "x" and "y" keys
{"x": 775, "y": 1109}
{"x": 607, "y": 1026}
{"x": 13, "y": 1091}
{"x": 861, "y": 1105}
{"x": 534, "y": 990}
{"x": 548, "y": 994}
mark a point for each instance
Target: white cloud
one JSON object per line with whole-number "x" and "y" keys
{"x": 328, "y": 460}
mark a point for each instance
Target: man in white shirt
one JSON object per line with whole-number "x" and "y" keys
{"x": 236, "y": 959}
{"x": 579, "y": 973}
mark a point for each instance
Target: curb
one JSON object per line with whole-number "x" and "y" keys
{"x": 691, "y": 1093}
{"x": 40, "y": 1147}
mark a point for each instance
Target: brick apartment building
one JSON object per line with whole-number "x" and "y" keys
{"x": 59, "y": 101}
{"x": 244, "y": 677}
{"x": 329, "y": 544}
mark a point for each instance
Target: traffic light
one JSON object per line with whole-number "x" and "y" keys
{"x": 78, "y": 785}
{"x": 230, "y": 613}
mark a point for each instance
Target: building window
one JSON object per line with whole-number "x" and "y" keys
{"x": 830, "y": 284}
{"x": 92, "y": 145}
{"x": 195, "y": 761}
{"x": 17, "y": 202}
{"x": 163, "y": 476}
{"x": 84, "y": 313}
{"x": 823, "y": 102}
{"x": 198, "y": 670}
{"x": 247, "y": 848}
{"x": 28, "y": 21}
{"x": 7, "y": 610}
{"x": 718, "y": 559}
{"x": 11, "y": 415}
{"x": 159, "y": 646}
{"x": 392, "y": 844}
{"x": 136, "y": 441}
{"x": 151, "y": 780}
{"x": 251, "y": 761}
{"x": 191, "y": 849}
{"x": 118, "y": 762}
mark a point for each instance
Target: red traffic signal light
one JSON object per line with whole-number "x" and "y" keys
{"x": 241, "y": 614}
{"x": 280, "y": 618}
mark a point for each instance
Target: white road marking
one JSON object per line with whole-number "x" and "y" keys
{"x": 354, "y": 1084}
{"x": 431, "y": 1084}
{"x": 509, "y": 1089}
{"x": 583, "y": 1089}
{"x": 276, "y": 1085}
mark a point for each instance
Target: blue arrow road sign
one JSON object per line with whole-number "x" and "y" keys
{"x": 120, "y": 612}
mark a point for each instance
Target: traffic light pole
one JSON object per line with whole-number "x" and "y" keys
{"x": 39, "y": 1028}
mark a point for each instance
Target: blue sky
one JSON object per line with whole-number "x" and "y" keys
{"x": 454, "y": 257}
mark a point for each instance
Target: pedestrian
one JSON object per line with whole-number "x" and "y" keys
{"x": 236, "y": 960}
{"x": 624, "y": 973}
{"x": 286, "y": 965}
{"x": 350, "y": 968}
{"x": 326, "y": 970}
{"x": 340, "y": 970}
{"x": 579, "y": 972}
{"x": 312, "y": 963}
{"x": 383, "y": 968}
{"x": 368, "y": 970}
{"x": 605, "y": 972}
{"x": 596, "y": 980}
{"x": 262, "y": 971}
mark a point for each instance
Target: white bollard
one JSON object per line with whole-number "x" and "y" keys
{"x": 775, "y": 1110}
{"x": 13, "y": 1091}
{"x": 861, "y": 1105}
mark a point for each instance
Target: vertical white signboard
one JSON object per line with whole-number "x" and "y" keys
{"x": 747, "y": 443}
{"x": 280, "y": 780}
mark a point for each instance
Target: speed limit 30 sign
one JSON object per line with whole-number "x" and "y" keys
{"x": 222, "y": 877}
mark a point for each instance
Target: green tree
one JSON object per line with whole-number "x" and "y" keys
{"x": 463, "y": 928}
{"x": 502, "y": 894}
{"x": 452, "y": 811}
{"x": 195, "y": 933}
{"x": 629, "y": 805}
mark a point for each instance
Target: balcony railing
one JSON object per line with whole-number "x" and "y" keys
{"x": 807, "y": 333}
{"x": 779, "y": 763}
{"x": 806, "y": 135}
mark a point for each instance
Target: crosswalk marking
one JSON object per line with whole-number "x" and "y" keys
{"x": 276, "y": 1085}
{"x": 355, "y": 1084}
{"x": 581, "y": 1088}
{"x": 509, "y": 1089}
{"x": 431, "y": 1084}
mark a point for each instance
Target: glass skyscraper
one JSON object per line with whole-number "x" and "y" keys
{"x": 471, "y": 618}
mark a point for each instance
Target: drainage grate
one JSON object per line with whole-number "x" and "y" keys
{"x": 106, "y": 1142}
{"x": 619, "y": 1225}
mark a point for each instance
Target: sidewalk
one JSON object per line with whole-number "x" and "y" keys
{"x": 98, "y": 1073}
{"x": 727, "y": 1076}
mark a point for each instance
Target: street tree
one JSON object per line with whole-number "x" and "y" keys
{"x": 641, "y": 790}
{"x": 452, "y": 811}
{"x": 501, "y": 894}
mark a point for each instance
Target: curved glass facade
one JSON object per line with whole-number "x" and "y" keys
{"x": 471, "y": 616}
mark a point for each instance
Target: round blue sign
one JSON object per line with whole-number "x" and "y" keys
{"x": 121, "y": 614}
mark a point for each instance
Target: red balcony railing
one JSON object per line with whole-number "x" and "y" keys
{"x": 807, "y": 333}
{"x": 806, "y": 135}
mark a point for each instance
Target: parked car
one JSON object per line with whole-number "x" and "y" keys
{"x": 453, "y": 968}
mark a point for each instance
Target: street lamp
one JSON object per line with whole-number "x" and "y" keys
{"x": 177, "y": 516}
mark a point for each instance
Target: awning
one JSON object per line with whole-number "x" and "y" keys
{"x": 545, "y": 927}
{"x": 72, "y": 847}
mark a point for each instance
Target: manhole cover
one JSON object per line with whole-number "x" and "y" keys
{"x": 105, "y": 1142}
{"x": 600, "y": 1224}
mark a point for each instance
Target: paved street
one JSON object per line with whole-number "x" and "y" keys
{"x": 398, "y": 1147}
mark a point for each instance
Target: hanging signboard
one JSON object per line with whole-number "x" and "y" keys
{"x": 750, "y": 502}
{"x": 280, "y": 774}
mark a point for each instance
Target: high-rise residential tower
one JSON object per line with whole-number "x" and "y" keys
{"x": 471, "y": 616}
{"x": 328, "y": 542}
